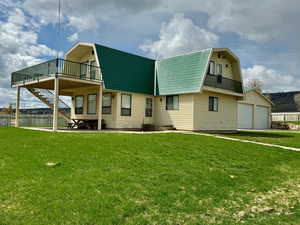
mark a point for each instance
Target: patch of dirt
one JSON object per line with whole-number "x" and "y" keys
{"x": 278, "y": 201}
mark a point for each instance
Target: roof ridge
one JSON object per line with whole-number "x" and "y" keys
{"x": 185, "y": 54}
{"x": 124, "y": 51}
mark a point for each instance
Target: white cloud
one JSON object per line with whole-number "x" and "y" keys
{"x": 86, "y": 15}
{"x": 179, "y": 36}
{"x": 252, "y": 20}
{"x": 73, "y": 37}
{"x": 19, "y": 48}
{"x": 272, "y": 80}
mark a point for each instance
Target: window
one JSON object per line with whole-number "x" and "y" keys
{"x": 106, "y": 103}
{"x": 219, "y": 69}
{"x": 125, "y": 105}
{"x": 92, "y": 103}
{"x": 148, "y": 112}
{"x": 211, "y": 69}
{"x": 79, "y": 104}
{"x": 213, "y": 104}
{"x": 93, "y": 70}
{"x": 83, "y": 70}
{"x": 172, "y": 102}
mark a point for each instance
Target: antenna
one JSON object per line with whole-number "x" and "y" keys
{"x": 58, "y": 29}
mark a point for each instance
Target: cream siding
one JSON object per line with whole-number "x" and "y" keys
{"x": 137, "y": 118}
{"x": 252, "y": 97}
{"x": 224, "y": 119}
{"x": 223, "y": 60}
{"x": 256, "y": 100}
{"x": 181, "y": 119}
{"x": 115, "y": 120}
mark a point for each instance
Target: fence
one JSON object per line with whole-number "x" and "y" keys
{"x": 31, "y": 120}
{"x": 286, "y": 117}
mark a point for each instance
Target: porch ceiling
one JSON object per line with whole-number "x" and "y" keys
{"x": 66, "y": 85}
{"x": 79, "y": 52}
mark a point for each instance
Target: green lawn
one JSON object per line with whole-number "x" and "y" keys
{"x": 285, "y": 138}
{"x": 106, "y": 178}
{"x": 294, "y": 122}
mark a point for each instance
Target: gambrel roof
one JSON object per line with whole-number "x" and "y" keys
{"x": 181, "y": 74}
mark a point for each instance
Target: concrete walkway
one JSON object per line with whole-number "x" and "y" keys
{"x": 252, "y": 142}
{"x": 168, "y": 131}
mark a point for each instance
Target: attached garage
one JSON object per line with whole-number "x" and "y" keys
{"x": 245, "y": 116}
{"x": 254, "y": 111}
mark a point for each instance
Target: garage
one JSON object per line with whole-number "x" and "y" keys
{"x": 245, "y": 116}
{"x": 262, "y": 117}
{"x": 254, "y": 111}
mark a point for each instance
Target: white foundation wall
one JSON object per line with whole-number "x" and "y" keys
{"x": 224, "y": 119}
{"x": 181, "y": 119}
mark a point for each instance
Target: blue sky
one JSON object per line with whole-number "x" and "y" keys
{"x": 263, "y": 33}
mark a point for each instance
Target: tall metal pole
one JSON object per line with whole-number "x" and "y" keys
{"x": 58, "y": 28}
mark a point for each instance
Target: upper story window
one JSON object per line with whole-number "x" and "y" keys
{"x": 149, "y": 104}
{"x": 219, "y": 69}
{"x": 93, "y": 69}
{"x": 79, "y": 104}
{"x": 92, "y": 103}
{"x": 213, "y": 104}
{"x": 125, "y": 105}
{"x": 172, "y": 102}
{"x": 211, "y": 69}
{"x": 83, "y": 70}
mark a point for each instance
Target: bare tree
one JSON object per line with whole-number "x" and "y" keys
{"x": 254, "y": 83}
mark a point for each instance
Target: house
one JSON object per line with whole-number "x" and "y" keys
{"x": 254, "y": 111}
{"x": 195, "y": 91}
{"x": 286, "y": 106}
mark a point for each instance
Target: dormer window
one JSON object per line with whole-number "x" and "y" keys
{"x": 211, "y": 69}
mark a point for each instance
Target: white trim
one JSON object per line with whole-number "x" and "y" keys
{"x": 34, "y": 82}
{"x": 97, "y": 60}
{"x": 259, "y": 93}
{"x": 155, "y": 77}
{"x": 185, "y": 54}
{"x": 222, "y": 91}
{"x": 206, "y": 70}
{"x": 76, "y": 45}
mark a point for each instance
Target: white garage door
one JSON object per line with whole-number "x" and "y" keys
{"x": 261, "y": 117}
{"x": 245, "y": 116}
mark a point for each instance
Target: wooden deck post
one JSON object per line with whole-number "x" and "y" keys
{"x": 55, "y": 104}
{"x": 17, "y": 108}
{"x": 100, "y": 108}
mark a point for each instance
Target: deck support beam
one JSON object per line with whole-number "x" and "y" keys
{"x": 55, "y": 104}
{"x": 17, "y": 124}
{"x": 100, "y": 107}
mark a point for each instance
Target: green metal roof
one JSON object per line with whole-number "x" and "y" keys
{"x": 126, "y": 72}
{"x": 182, "y": 74}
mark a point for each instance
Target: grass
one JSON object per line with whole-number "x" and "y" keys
{"x": 105, "y": 178}
{"x": 285, "y": 138}
{"x": 294, "y": 122}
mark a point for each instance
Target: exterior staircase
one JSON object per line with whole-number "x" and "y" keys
{"x": 47, "y": 97}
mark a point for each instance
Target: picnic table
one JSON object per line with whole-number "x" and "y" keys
{"x": 83, "y": 124}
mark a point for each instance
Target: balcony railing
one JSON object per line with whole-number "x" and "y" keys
{"x": 56, "y": 67}
{"x": 223, "y": 83}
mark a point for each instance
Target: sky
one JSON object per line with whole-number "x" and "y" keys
{"x": 264, "y": 34}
